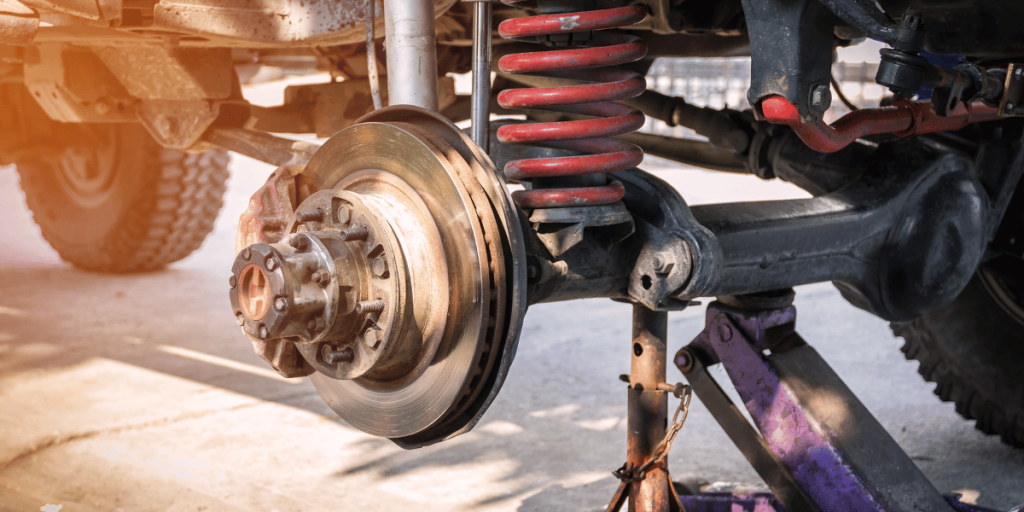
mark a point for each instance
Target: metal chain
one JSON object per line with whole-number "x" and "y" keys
{"x": 626, "y": 474}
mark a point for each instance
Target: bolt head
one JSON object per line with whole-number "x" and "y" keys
{"x": 820, "y": 98}
{"x": 246, "y": 253}
{"x": 373, "y": 336}
{"x": 315, "y": 325}
{"x": 280, "y": 303}
{"x": 344, "y": 214}
{"x": 232, "y": 281}
{"x": 240, "y": 319}
{"x": 662, "y": 263}
{"x": 263, "y": 332}
{"x": 532, "y": 272}
{"x": 321, "y": 277}
{"x": 725, "y": 332}
{"x": 271, "y": 263}
{"x": 380, "y": 267}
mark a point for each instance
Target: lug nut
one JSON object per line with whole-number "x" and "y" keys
{"x": 304, "y": 216}
{"x": 369, "y": 306}
{"x": 354, "y": 234}
{"x": 820, "y": 98}
{"x": 344, "y": 355}
{"x": 280, "y": 303}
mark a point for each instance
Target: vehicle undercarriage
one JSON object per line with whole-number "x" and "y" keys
{"x": 393, "y": 264}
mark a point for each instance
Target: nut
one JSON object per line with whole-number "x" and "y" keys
{"x": 280, "y": 303}
{"x": 663, "y": 263}
{"x": 820, "y": 98}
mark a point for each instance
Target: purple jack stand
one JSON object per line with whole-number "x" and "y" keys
{"x": 816, "y": 446}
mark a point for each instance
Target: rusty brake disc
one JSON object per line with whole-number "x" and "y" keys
{"x": 446, "y": 222}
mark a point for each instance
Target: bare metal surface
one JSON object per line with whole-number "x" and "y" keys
{"x": 371, "y": 54}
{"x": 408, "y": 173}
{"x": 480, "y": 111}
{"x": 411, "y": 53}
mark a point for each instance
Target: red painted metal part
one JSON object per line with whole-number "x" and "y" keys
{"x": 903, "y": 118}
{"x": 595, "y": 97}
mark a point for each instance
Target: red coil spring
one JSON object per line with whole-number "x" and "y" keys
{"x": 595, "y": 97}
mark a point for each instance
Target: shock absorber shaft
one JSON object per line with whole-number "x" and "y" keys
{"x": 594, "y": 97}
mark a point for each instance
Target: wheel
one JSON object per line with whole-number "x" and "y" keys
{"x": 973, "y": 350}
{"x": 113, "y": 200}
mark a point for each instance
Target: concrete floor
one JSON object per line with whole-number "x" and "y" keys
{"x": 140, "y": 393}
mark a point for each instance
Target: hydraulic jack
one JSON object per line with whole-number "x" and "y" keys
{"x": 815, "y": 445}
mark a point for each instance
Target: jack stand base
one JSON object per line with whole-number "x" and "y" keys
{"x": 647, "y": 420}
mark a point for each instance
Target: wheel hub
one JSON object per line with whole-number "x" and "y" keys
{"x": 397, "y": 282}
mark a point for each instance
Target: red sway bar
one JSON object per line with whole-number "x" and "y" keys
{"x": 903, "y": 118}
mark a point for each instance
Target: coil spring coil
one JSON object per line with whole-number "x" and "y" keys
{"x": 594, "y": 98}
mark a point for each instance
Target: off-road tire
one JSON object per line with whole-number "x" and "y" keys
{"x": 973, "y": 350}
{"x": 158, "y": 205}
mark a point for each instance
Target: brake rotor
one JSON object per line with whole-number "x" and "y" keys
{"x": 434, "y": 190}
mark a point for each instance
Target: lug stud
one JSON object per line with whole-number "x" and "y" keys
{"x": 344, "y": 355}
{"x": 314, "y": 215}
{"x": 354, "y": 234}
{"x": 369, "y": 306}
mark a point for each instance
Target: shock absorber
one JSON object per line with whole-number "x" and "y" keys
{"x": 594, "y": 97}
